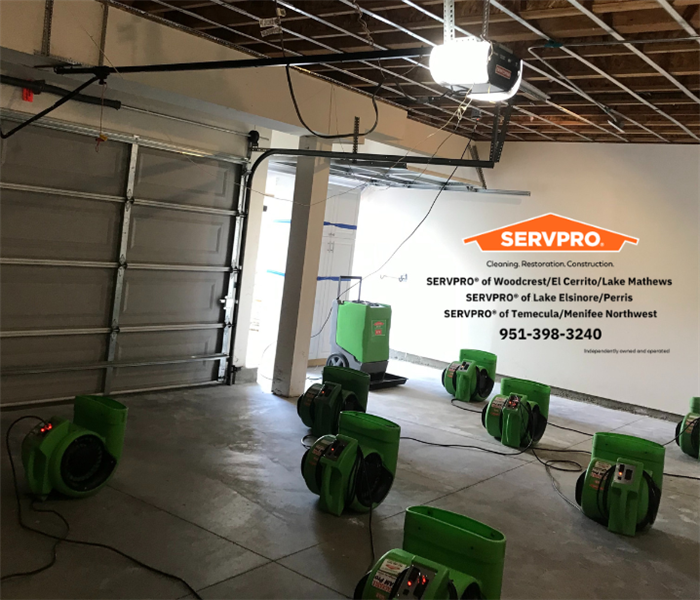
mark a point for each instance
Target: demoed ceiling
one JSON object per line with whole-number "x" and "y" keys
{"x": 650, "y": 90}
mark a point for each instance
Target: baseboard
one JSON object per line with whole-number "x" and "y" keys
{"x": 556, "y": 391}
{"x": 317, "y": 362}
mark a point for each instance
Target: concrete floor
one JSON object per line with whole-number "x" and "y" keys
{"x": 210, "y": 488}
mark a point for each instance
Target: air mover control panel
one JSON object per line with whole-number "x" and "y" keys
{"x": 414, "y": 582}
{"x": 624, "y": 473}
{"x": 335, "y": 450}
{"x": 513, "y": 402}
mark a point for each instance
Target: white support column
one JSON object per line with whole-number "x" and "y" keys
{"x": 299, "y": 294}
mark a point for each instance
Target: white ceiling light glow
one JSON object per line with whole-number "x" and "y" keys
{"x": 486, "y": 71}
{"x": 460, "y": 63}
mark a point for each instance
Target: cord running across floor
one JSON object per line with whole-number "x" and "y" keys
{"x": 65, "y": 538}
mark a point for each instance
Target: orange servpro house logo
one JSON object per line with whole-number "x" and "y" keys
{"x": 551, "y": 233}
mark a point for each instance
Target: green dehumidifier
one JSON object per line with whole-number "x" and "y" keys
{"x": 518, "y": 415}
{"x": 340, "y": 389}
{"x": 621, "y": 488}
{"x": 688, "y": 430}
{"x": 360, "y": 337}
{"x": 354, "y": 469}
{"x": 471, "y": 378}
{"x": 444, "y": 556}
{"x": 78, "y": 457}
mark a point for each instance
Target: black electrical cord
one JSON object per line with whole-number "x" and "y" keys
{"x": 550, "y": 464}
{"x": 468, "y": 447}
{"x": 65, "y": 538}
{"x": 427, "y": 214}
{"x": 325, "y": 136}
{"x": 682, "y": 476}
{"x": 54, "y": 106}
{"x": 569, "y": 429}
{"x": 330, "y": 312}
{"x": 478, "y": 411}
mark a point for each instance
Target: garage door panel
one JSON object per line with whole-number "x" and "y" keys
{"x": 136, "y": 378}
{"x": 53, "y": 298}
{"x": 165, "y": 236}
{"x": 183, "y": 179}
{"x": 172, "y": 297}
{"x": 34, "y": 225}
{"x": 167, "y": 344}
{"x": 25, "y": 388}
{"x": 55, "y": 350}
{"x": 52, "y": 158}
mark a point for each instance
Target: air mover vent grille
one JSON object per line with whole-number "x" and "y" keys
{"x": 86, "y": 464}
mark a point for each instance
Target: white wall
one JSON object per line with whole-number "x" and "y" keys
{"x": 646, "y": 191}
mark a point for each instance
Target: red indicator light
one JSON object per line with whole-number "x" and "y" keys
{"x": 424, "y": 580}
{"x": 49, "y": 426}
{"x": 410, "y": 583}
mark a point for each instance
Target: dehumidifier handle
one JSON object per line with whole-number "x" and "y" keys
{"x": 342, "y": 278}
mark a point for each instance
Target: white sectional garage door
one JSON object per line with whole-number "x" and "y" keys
{"x": 117, "y": 266}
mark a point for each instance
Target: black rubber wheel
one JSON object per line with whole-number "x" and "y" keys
{"x": 483, "y": 414}
{"x": 337, "y": 360}
{"x": 678, "y": 432}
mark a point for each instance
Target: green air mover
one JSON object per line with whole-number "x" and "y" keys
{"x": 444, "y": 555}
{"x": 76, "y": 457}
{"x": 340, "y": 389}
{"x": 688, "y": 430}
{"x": 471, "y": 377}
{"x": 622, "y": 486}
{"x": 354, "y": 469}
{"x": 360, "y": 337}
{"x": 518, "y": 415}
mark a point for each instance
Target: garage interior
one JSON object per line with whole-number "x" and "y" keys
{"x": 175, "y": 229}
